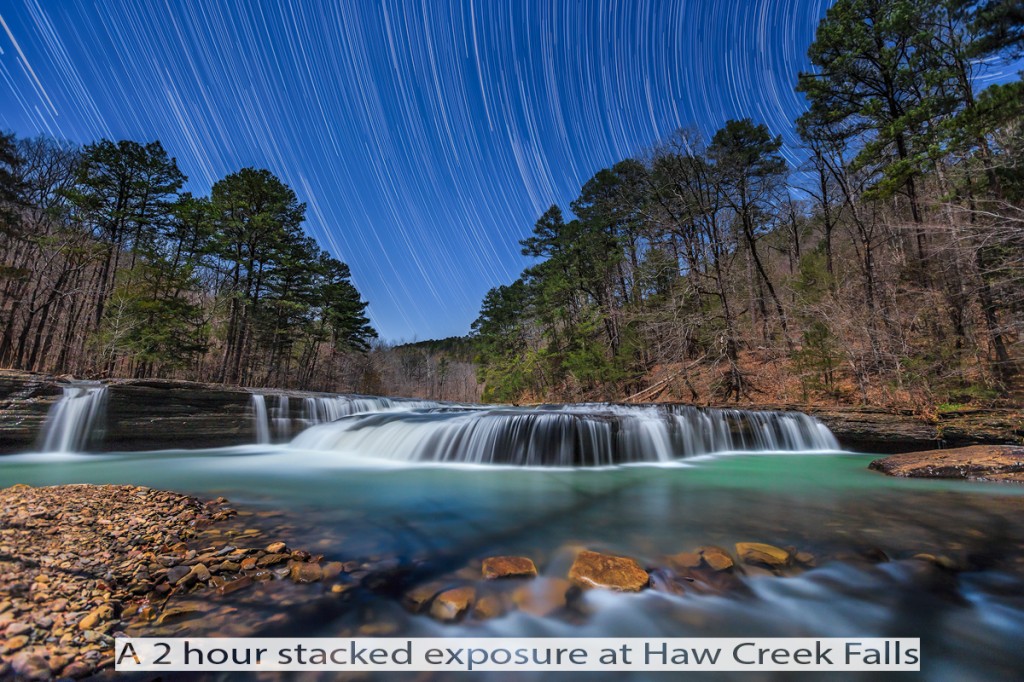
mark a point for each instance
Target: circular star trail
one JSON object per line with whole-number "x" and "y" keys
{"x": 425, "y": 137}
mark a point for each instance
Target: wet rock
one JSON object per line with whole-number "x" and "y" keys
{"x": 418, "y": 597}
{"x": 593, "y": 569}
{"x": 760, "y": 553}
{"x": 276, "y": 548}
{"x": 488, "y": 606}
{"x": 177, "y": 573}
{"x": 685, "y": 560}
{"x": 508, "y": 567}
{"x": 200, "y": 572}
{"x": 306, "y": 573}
{"x": 332, "y": 569}
{"x": 806, "y": 559}
{"x": 977, "y": 462}
{"x": 179, "y": 613}
{"x": 235, "y": 585}
{"x": 452, "y": 604}
{"x": 943, "y": 562}
{"x": 717, "y": 558}
{"x": 271, "y": 559}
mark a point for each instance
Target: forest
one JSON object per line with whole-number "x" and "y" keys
{"x": 886, "y": 267}
{"x": 108, "y": 268}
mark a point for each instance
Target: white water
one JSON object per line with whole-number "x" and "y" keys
{"x": 564, "y": 435}
{"x": 274, "y": 419}
{"x": 260, "y": 420}
{"x": 72, "y": 421}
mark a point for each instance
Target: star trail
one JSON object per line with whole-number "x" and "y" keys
{"x": 425, "y": 137}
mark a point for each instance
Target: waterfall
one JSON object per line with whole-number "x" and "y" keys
{"x": 277, "y": 422}
{"x": 260, "y": 420}
{"x": 565, "y": 435}
{"x": 75, "y": 419}
{"x": 281, "y": 418}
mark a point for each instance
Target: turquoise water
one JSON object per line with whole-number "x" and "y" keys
{"x": 828, "y": 504}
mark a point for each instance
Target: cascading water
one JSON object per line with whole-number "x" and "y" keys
{"x": 275, "y": 421}
{"x": 261, "y": 422}
{"x": 565, "y": 435}
{"x": 73, "y": 421}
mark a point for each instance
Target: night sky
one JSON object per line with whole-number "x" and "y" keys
{"x": 425, "y": 137}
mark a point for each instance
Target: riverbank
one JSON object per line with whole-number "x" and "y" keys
{"x": 83, "y": 564}
{"x": 145, "y": 414}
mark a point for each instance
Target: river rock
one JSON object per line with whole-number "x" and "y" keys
{"x": 418, "y": 597}
{"x": 306, "y": 573}
{"x": 276, "y": 548}
{"x": 489, "y": 606}
{"x": 15, "y": 643}
{"x": 978, "y": 462}
{"x": 235, "y": 585}
{"x": 452, "y": 604}
{"x": 508, "y": 567}
{"x": 593, "y": 569}
{"x": 176, "y": 573}
{"x": 17, "y": 629}
{"x": 759, "y": 553}
{"x": 200, "y": 572}
{"x": 31, "y": 665}
{"x": 685, "y": 560}
{"x": 716, "y": 557}
{"x": 94, "y": 617}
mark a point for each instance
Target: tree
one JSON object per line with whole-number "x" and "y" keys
{"x": 751, "y": 172}
{"x": 124, "y": 193}
{"x": 256, "y": 217}
{"x": 870, "y": 83}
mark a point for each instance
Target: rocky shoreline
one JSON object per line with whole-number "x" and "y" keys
{"x": 83, "y": 564}
{"x": 146, "y": 414}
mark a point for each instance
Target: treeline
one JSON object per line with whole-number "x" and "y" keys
{"x": 108, "y": 268}
{"x": 887, "y": 267}
{"x": 437, "y": 369}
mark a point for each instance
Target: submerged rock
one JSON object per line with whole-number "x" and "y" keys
{"x": 759, "y": 553}
{"x": 508, "y": 567}
{"x": 452, "y": 604}
{"x": 977, "y": 463}
{"x": 717, "y": 558}
{"x": 593, "y": 569}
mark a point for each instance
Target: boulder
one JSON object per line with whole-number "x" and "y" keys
{"x": 508, "y": 567}
{"x": 593, "y": 569}
{"x": 977, "y": 463}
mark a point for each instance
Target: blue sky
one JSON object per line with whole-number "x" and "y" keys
{"x": 425, "y": 137}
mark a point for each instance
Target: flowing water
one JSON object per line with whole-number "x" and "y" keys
{"x": 444, "y": 485}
